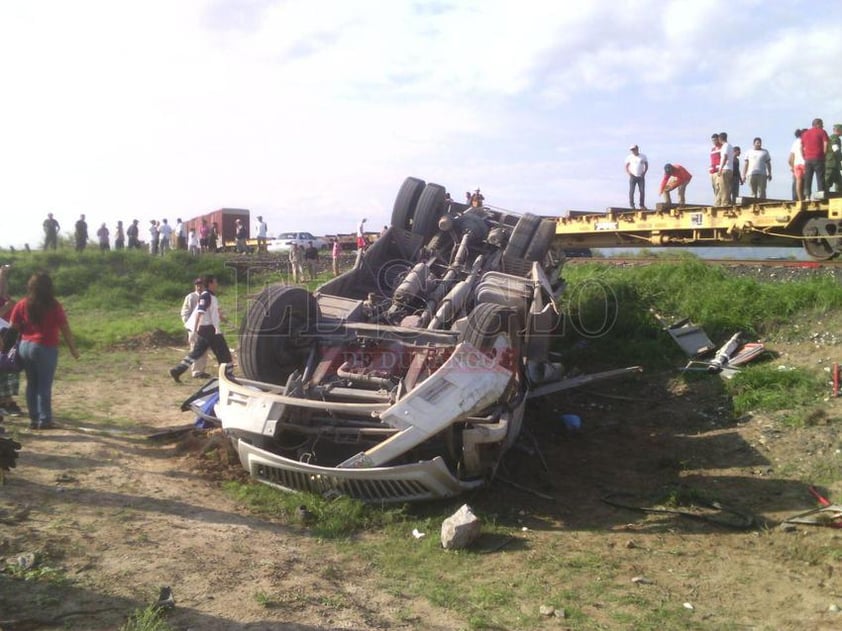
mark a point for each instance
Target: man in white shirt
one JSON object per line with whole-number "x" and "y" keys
{"x": 757, "y": 168}
{"x": 187, "y": 309}
{"x": 206, "y": 324}
{"x": 636, "y": 166}
{"x": 726, "y": 172}
{"x": 262, "y": 232}
{"x": 165, "y": 236}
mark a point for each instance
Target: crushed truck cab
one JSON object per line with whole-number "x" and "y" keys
{"x": 405, "y": 378}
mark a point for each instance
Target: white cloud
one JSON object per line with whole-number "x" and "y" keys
{"x": 318, "y": 110}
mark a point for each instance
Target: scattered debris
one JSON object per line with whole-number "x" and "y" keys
{"x": 695, "y": 507}
{"x": 460, "y": 530}
{"x": 696, "y": 344}
{"x": 418, "y": 534}
{"x": 9, "y": 449}
{"x": 729, "y": 357}
{"x": 572, "y": 423}
{"x": 689, "y": 606}
{"x": 826, "y": 515}
{"x": 304, "y": 515}
{"x": 691, "y": 338}
{"x": 165, "y": 599}
{"x": 642, "y": 580}
{"x": 26, "y": 561}
{"x": 546, "y": 610}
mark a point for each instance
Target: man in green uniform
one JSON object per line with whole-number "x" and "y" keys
{"x": 833, "y": 161}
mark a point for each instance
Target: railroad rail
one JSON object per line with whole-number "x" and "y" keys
{"x": 815, "y": 225}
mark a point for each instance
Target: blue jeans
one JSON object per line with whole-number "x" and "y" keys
{"x": 39, "y": 364}
{"x": 810, "y": 167}
{"x": 641, "y": 189}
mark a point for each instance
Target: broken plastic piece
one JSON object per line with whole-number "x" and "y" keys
{"x": 691, "y": 338}
{"x": 165, "y": 599}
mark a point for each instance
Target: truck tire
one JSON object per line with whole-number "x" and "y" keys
{"x": 431, "y": 206}
{"x": 271, "y": 342}
{"x": 541, "y": 241}
{"x": 522, "y": 236}
{"x": 405, "y": 202}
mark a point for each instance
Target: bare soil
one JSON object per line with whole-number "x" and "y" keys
{"x": 119, "y": 515}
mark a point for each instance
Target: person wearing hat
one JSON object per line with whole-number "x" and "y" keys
{"x": 477, "y": 198}
{"x": 187, "y": 310}
{"x": 675, "y": 177}
{"x": 205, "y": 321}
{"x": 636, "y": 166}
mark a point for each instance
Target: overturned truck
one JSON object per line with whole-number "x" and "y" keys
{"x": 405, "y": 378}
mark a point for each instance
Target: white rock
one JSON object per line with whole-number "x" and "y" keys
{"x": 460, "y": 530}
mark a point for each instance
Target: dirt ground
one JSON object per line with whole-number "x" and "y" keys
{"x": 120, "y": 516}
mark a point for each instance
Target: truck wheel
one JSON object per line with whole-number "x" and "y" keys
{"x": 271, "y": 342}
{"x": 522, "y": 236}
{"x": 430, "y": 208}
{"x": 405, "y": 202}
{"x": 541, "y": 240}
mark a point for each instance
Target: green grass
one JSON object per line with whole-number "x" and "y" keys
{"x": 149, "y": 619}
{"x": 115, "y": 297}
{"x": 766, "y": 388}
{"x": 327, "y": 519}
{"x": 607, "y": 306}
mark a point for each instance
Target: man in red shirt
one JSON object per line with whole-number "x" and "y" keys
{"x": 675, "y": 177}
{"x": 814, "y": 146}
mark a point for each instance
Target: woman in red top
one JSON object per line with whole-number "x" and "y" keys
{"x": 39, "y": 318}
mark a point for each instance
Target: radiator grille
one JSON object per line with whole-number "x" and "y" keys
{"x": 382, "y": 490}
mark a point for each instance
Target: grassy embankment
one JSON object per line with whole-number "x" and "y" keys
{"x": 119, "y": 296}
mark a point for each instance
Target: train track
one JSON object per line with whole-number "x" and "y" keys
{"x": 630, "y": 261}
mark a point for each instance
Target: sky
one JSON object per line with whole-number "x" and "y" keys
{"x": 312, "y": 112}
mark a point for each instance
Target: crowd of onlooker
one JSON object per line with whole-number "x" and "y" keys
{"x": 162, "y": 236}
{"x": 814, "y": 155}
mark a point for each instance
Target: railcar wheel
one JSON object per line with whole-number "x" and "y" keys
{"x": 822, "y": 240}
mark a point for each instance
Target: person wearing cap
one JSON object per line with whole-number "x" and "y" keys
{"x": 187, "y": 309}
{"x": 205, "y": 322}
{"x": 477, "y": 198}
{"x": 675, "y": 177}
{"x": 636, "y": 166}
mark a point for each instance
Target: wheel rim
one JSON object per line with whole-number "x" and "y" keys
{"x": 821, "y": 240}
